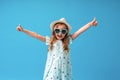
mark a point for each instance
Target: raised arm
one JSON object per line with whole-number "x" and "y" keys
{"x": 33, "y": 34}
{"x": 84, "y": 28}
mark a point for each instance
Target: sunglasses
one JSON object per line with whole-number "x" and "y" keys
{"x": 63, "y": 31}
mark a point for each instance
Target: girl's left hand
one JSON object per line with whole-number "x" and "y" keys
{"x": 19, "y": 28}
{"x": 94, "y": 22}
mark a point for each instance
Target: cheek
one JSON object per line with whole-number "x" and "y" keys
{"x": 63, "y": 35}
{"x": 56, "y": 35}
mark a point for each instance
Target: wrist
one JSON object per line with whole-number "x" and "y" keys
{"x": 22, "y": 30}
{"x": 90, "y": 24}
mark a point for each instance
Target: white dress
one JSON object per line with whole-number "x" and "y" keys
{"x": 58, "y": 64}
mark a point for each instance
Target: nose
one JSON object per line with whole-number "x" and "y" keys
{"x": 60, "y": 34}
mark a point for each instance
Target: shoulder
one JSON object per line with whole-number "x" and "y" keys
{"x": 70, "y": 39}
{"x": 47, "y": 40}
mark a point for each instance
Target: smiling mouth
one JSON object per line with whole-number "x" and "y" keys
{"x": 59, "y": 36}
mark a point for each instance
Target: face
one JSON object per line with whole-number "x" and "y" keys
{"x": 60, "y": 31}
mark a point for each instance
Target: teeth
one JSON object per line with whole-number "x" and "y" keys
{"x": 59, "y": 36}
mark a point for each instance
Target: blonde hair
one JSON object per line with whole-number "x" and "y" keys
{"x": 65, "y": 40}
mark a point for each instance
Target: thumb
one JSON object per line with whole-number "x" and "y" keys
{"x": 94, "y": 19}
{"x": 19, "y": 25}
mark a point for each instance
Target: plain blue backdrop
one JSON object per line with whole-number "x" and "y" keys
{"x": 95, "y": 54}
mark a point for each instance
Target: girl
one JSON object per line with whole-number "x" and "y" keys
{"x": 58, "y": 64}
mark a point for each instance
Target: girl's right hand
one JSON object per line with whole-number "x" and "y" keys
{"x": 94, "y": 22}
{"x": 19, "y": 28}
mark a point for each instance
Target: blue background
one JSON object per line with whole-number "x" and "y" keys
{"x": 95, "y": 54}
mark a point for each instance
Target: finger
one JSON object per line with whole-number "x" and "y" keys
{"x": 96, "y": 23}
{"x": 18, "y": 28}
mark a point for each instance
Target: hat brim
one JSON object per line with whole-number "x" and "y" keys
{"x": 58, "y": 21}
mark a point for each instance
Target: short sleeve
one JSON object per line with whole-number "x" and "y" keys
{"x": 70, "y": 40}
{"x": 47, "y": 40}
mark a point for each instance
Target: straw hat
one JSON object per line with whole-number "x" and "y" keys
{"x": 62, "y": 20}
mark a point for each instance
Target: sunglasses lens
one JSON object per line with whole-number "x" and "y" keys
{"x": 57, "y": 30}
{"x": 64, "y": 31}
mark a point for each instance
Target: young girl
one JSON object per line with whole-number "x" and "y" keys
{"x": 58, "y": 64}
